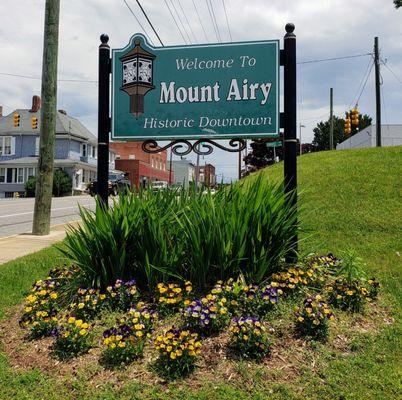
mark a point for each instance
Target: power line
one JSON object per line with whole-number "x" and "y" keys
{"x": 361, "y": 82}
{"x": 174, "y": 19}
{"x": 392, "y": 72}
{"x": 181, "y": 21}
{"x": 199, "y": 19}
{"x": 37, "y": 78}
{"x": 188, "y": 23}
{"x": 365, "y": 83}
{"x": 150, "y": 23}
{"x": 212, "y": 19}
{"x": 216, "y": 23}
{"x": 227, "y": 20}
{"x": 139, "y": 22}
{"x": 335, "y": 58}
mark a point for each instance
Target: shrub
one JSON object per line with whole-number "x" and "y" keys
{"x": 71, "y": 338}
{"x": 62, "y": 184}
{"x": 178, "y": 350}
{"x": 206, "y": 315}
{"x": 30, "y": 186}
{"x": 249, "y": 337}
{"x": 312, "y": 319}
{"x": 157, "y": 236}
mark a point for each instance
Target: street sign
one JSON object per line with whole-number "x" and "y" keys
{"x": 219, "y": 91}
{"x": 274, "y": 144}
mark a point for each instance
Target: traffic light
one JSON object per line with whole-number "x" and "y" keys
{"x": 355, "y": 116}
{"x": 17, "y": 119}
{"x": 348, "y": 125}
{"x": 34, "y": 123}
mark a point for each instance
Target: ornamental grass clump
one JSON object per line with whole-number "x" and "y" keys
{"x": 207, "y": 315}
{"x": 172, "y": 296}
{"x": 184, "y": 235}
{"x": 249, "y": 337}
{"x": 71, "y": 338}
{"x": 178, "y": 351}
{"x": 41, "y": 308}
{"x": 312, "y": 319}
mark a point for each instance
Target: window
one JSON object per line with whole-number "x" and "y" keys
{"x": 11, "y": 175}
{"x": 20, "y": 175}
{"x": 94, "y": 155}
{"x": 31, "y": 171}
{"x": 84, "y": 149}
{"x": 2, "y": 175}
{"x": 7, "y": 146}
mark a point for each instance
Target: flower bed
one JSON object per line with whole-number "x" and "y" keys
{"x": 239, "y": 309}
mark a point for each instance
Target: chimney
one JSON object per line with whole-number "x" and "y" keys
{"x": 35, "y": 104}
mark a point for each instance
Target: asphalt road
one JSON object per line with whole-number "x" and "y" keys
{"x": 16, "y": 215}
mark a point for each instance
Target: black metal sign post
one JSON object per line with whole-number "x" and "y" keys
{"x": 103, "y": 119}
{"x": 290, "y": 140}
{"x": 204, "y": 146}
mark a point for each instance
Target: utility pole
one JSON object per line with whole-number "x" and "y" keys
{"x": 331, "y": 119}
{"x": 44, "y": 183}
{"x": 170, "y": 167}
{"x": 239, "y": 173}
{"x": 377, "y": 91}
{"x": 197, "y": 170}
{"x": 300, "y": 137}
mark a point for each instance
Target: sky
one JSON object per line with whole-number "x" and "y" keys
{"x": 324, "y": 29}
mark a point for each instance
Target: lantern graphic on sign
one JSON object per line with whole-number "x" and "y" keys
{"x": 137, "y": 72}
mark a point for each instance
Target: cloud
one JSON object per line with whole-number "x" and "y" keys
{"x": 324, "y": 28}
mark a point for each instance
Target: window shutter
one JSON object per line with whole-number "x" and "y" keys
{"x": 37, "y": 146}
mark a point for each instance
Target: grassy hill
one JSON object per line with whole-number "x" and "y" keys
{"x": 350, "y": 199}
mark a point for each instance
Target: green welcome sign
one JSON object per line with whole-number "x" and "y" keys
{"x": 218, "y": 91}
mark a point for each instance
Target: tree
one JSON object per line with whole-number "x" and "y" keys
{"x": 261, "y": 155}
{"x": 321, "y": 131}
{"x": 398, "y": 3}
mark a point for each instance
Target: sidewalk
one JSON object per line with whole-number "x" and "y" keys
{"x": 16, "y": 246}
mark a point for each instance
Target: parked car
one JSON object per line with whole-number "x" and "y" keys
{"x": 159, "y": 185}
{"x": 117, "y": 183}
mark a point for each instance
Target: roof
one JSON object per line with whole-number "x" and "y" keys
{"x": 28, "y": 161}
{"x": 65, "y": 125}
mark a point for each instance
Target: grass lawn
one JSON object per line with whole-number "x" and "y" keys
{"x": 351, "y": 199}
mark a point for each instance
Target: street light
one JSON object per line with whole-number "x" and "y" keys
{"x": 300, "y": 137}
{"x": 137, "y": 76}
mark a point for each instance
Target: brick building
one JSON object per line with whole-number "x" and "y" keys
{"x": 206, "y": 175}
{"x": 142, "y": 168}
